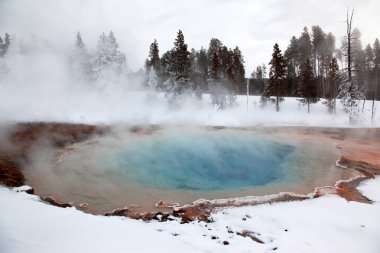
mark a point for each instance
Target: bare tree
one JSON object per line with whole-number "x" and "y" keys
{"x": 350, "y": 88}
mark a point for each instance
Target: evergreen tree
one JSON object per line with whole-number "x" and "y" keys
{"x": 7, "y": 42}
{"x": 179, "y": 69}
{"x": 79, "y": 42}
{"x": 154, "y": 57}
{"x": 237, "y": 76}
{"x": 80, "y": 60}
{"x": 330, "y": 44}
{"x": 292, "y": 62}
{"x": 199, "y": 70}
{"x": 305, "y": 46}
{"x": 318, "y": 44}
{"x": 108, "y": 59}
{"x": 238, "y": 63}
{"x": 217, "y": 91}
{"x": 256, "y": 82}
{"x": 376, "y": 61}
{"x": 203, "y": 69}
{"x": 367, "y": 66}
{"x": 4, "y": 45}
{"x": 165, "y": 62}
{"x": 215, "y": 68}
{"x": 320, "y": 57}
{"x": 214, "y": 47}
{"x": 102, "y": 57}
{"x": 307, "y": 89}
{"x": 195, "y": 75}
{"x": 376, "y": 70}
{"x": 277, "y": 85}
{"x": 1, "y": 47}
{"x": 332, "y": 92}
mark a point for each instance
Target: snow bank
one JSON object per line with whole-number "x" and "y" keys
{"x": 325, "y": 224}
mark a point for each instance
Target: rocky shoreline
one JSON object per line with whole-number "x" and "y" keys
{"x": 22, "y": 137}
{"x": 25, "y": 136}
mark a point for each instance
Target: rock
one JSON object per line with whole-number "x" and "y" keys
{"x": 54, "y": 202}
{"x": 188, "y": 215}
{"x": 30, "y": 191}
{"x": 119, "y": 212}
{"x": 147, "y": 216}
{"x": 250, "y": 234}
{"x": 225, "y": 243}
{"x": 229, "y": 230}
{"x": 186, "y": 219}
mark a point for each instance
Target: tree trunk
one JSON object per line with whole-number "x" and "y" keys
{"x": 373, "y": 107}
{"x": 277, "y": 104}
{"x": 363, "y": 106}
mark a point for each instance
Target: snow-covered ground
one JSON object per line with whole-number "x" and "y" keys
{"x": 131, "y": 107}
{"x": 325, "y": 224}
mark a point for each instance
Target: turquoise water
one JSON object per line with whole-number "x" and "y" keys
{"x": 200, "y": 161}
{"x": 183, "y": 164}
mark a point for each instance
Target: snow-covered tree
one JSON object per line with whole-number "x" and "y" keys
{"x": 80, "y": 60}
{"x": 108, "y": 59}
{"x": 351, "y": 86}
{"x": 214, "y": 47}
{"x": 308, "y": 88}
{"x": 179, "y": 68}
{"x": 277, "y": 85}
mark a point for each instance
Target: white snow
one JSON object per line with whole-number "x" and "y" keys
{"x": 115, "y": 105}
{"x": 23, "y": 188}
{"x": 370, "y": 190}
{"x": 325, "y": 224}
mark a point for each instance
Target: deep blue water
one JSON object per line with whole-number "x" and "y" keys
{"x": 201, "y": 160}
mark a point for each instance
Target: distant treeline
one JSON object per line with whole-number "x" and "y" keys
{"x": 4, "y": 44}
{"x": 311, "y": 58}
{"x": 317, "y": 46}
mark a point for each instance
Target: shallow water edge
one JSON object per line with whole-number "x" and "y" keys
{"x": 340, "y": 137}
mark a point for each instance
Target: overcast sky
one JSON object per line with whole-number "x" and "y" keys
{"x": 252, "y": 25}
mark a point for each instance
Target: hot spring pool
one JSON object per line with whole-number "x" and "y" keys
{"x": 199, "y": 161}
{"x": 184, "y": 164}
